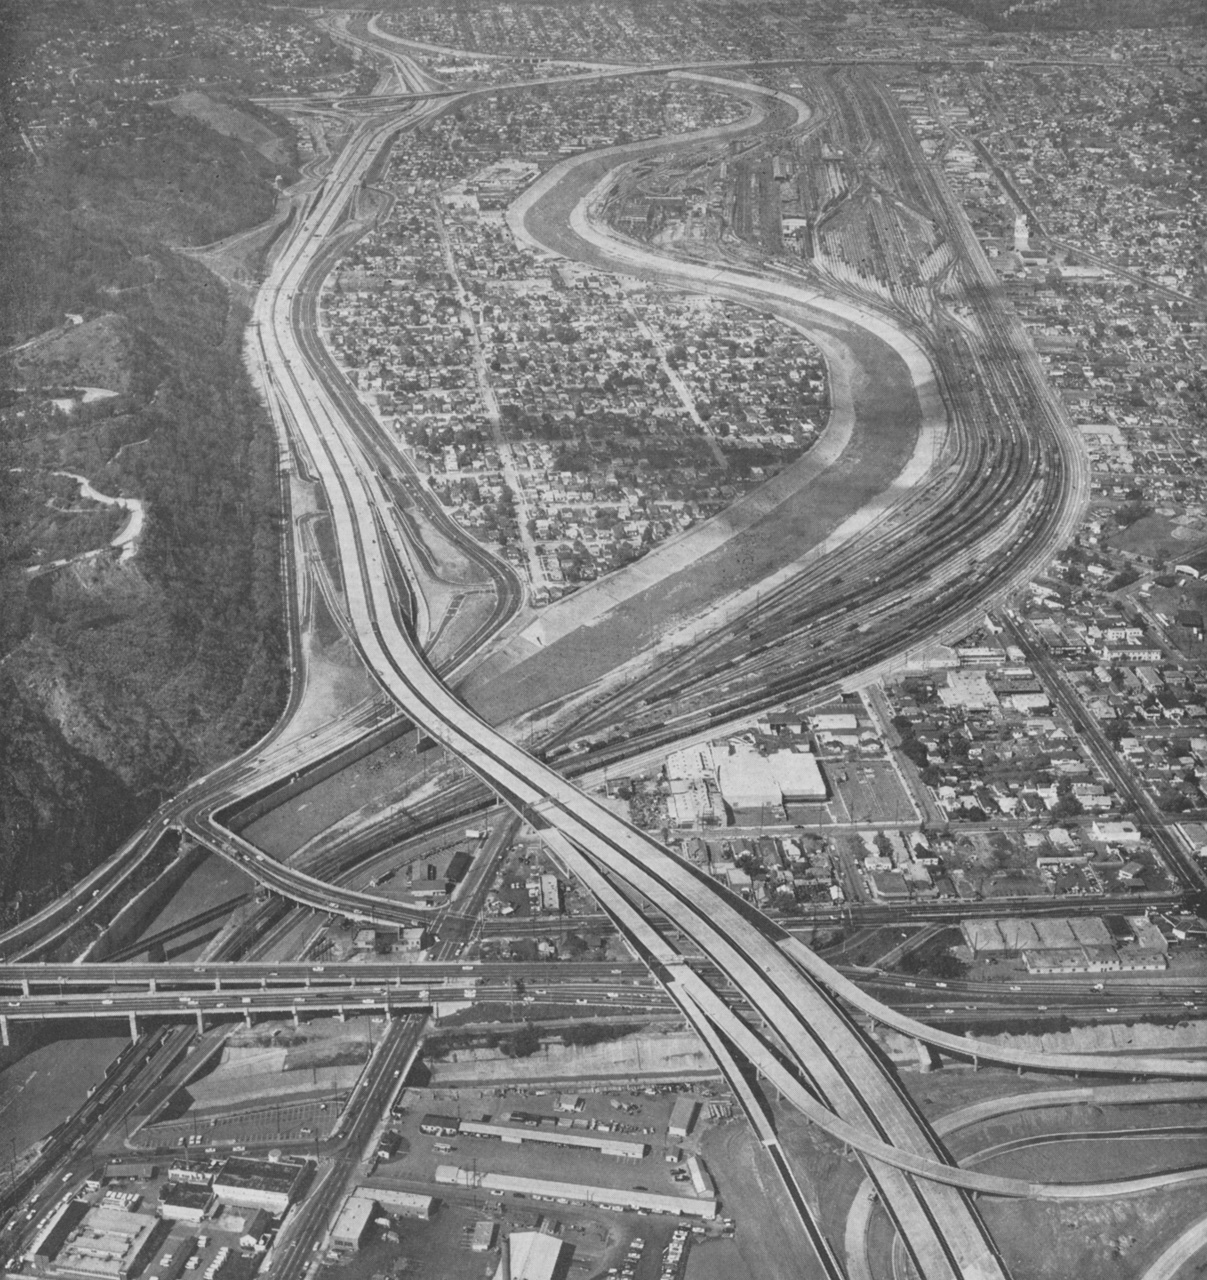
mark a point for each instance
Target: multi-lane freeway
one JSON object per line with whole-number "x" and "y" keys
{"x": 831, "y": 1070}
{"x": 1015, "y": 494}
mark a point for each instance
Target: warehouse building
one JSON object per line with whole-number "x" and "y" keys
{"x": 402, "y": 1204}
{"x": 134, "y": 1170}
{"x": 483, "y": 1237}
{"x": 683, "y": 1116}
{"x": 619, "y": 1199}
{"x": 185, "y": 1202}
{"x": 532, "y": 1255}
{"x": 53, "y": 1235}
{"x": 106, "y": 1244}
{"x": 260, "y": 1184}
{"x": 751, "y": 782}
{"x": 353, "y": 1224}
{"x": 557, "y": 1138}
{"x": 441, "y": 1126}
{"x": 701, "y": 1179}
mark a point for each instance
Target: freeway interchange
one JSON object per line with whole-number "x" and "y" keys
{"x": 1001, "y": 503}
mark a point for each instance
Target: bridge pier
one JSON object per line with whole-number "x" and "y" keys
{"x": 247, "y": 1018}
{"x": 343, "y": 1017}
{"x": 25, "y": 986}
{"x": 296, "y": 1020}
{"x": 133, "y": 1025}
{"x": 928, "y": 1059}
{"x": 154, "y": 986}
{"x": 4, "y": 1030}
{"x": 217, "y": 983}
{"x": 200, "y": 1022}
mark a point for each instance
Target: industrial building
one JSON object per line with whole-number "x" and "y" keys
{"x": 753, "y": 782}
{"x": 551, "y": 894}
{"x": 531, "y": 1255}
{"x": 620, "y": 1199}
{"x": 260, "y": 1184}
{"x": 701, "y": 1181}
{"x": 483, "y": 1237}
{"x": 248, "y": 1224}
{"x": 102, "y": 1244}
{"x": 994, "y": 936}
{"x": 1077, "y": 944}
{"x": 683, "y": 1116}
{"x": 176, "y": 1259}
{"x": 441, "y": 1126}
{"x": 185, "y": 1202}
{"x": 58, "y": 1227}
{"x": 556, "y": 1137}
{"x": 133, "y": 1169}
{"x": 353, "y": 1223}
{"x": 402, "y": 1204}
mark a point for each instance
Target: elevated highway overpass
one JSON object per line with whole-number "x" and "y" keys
{"x": 815, "y": 1053}
{"x": 311, "y": 1002}
{"x": 808, "y": 1044}
{"x": 215, "y": 975}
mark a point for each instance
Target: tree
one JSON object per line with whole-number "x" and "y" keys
{"x": 1067, "y": 806}
{"x": 524, "y": 1043}
{"x": 917, "y": 752}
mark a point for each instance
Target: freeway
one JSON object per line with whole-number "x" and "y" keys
{"x": 774, "y": 975}
{"x": 944, "y": 1232}
{"x": 233, "y": 974}
{"x": 814, "y": 1051}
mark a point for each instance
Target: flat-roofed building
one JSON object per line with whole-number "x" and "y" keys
{"x": 259, "y": 1184}
{"x": 834, "y": 722}
{"x": 750, "y": 780}
{"x": 403, "y": 1204}
{"x": 620, "y": 1199}
{"x": 484, "y": 1236}
{"x": 135, "y": 1170}
{"x": 701, "y": 1180}
{"x": 1148, "y": 935}
{"x": 353, "y": 1223}
{"x": 185, "y": 1202}
{"x": 53, "y": 1235}
{"x": 108, "y": 1244}
{"x": 683, "y": 1116}
{"x": 1115, "y": 832}
{"x": 551, "y": 894}
{"x": 444, "y": 1126}
{"x": 556, "y": 1138}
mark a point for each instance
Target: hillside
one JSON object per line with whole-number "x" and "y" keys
{"x": 118, "y": 681}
